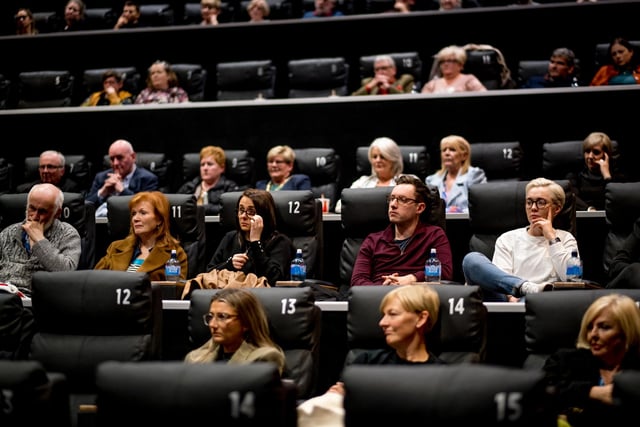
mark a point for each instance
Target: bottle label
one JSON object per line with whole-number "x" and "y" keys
{"x": 432, "y": 273}
{"x": 298, "y": 272}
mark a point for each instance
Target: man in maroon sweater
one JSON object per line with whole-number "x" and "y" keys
{"x": 397, "y": 254}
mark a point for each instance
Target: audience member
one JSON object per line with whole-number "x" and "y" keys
{"x": 582, "y": 377}
{"x": 130, "y": 17}
{"x": 561, "y": 72}
{"x": 625, "y": 66}
{"x": 162, "y": 86}
{"x": 599, "y": 169}
{"x": 39, "y": 243}
{"x": 209, "y": 10}
{"x": 124, "y": 178}
{"x": 409, "y": 313}
{"x": 111, "y": 93}
{"x": 280, "y": 162}
{"x": 448, "y": 76}
{"x": 529, "y": 259}
{"x": 149, "y": 244}
{"x": 51, "y": 167}
{"x": 74, "y": 17}
{"x": 384, "y": 81}
{"x": 450, "y": 4}
{"x": 397, "y": 254}
{"x": 323, "y": 9}
{"x": 403, "y": 6}
{"x": 239, "y": 331}
{"x": 258, "y": 10}
{"x": 385, "y": 158}
{"x": 624, "y": 269}
{"x": 456, "y": 174}
{"x": 25, "y": 24}
{"x": 255, "y": 246}
{"x": 211, "y": 183}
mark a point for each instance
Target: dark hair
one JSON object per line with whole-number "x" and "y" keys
{"x": 422, "y": 191}
{"x": 635, "y": 59}
{"x": 112, "y": 73}
{"x": 265, "y": 207}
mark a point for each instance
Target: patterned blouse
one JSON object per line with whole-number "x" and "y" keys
{"x": 173, "y": 95}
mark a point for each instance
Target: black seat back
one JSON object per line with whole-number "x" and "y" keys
{"x": 158, "y": 163}
{"x": 193, "y": 79}
{"x": 245, "y": 80}
{"x": 560, "y": 158}
{"x": 622, "y": 208}
{"x": 415, "y": 160}
{"x": 323, "y": 166}
{"x": 318, "y": 77}
{"x": 498, "y": 160}
{"x": 42, "y": 89}
{"x": 442, "y": 395}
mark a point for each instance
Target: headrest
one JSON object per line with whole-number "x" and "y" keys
{"x": 321, "y": 165}
{"x": 498, "y": 160}
{"x": 192, "y": 78}
{"x": 441, "y": 395}
{"x": 45, "y": 85}
{"x": 318, "y": 73}
{"x": 406, "y": 63}
{"x": 92, "y": 302}
{"x": 364, "y": 210}
{"x": 291, "y": 311}
{"x": 238, "y": 166}
{"x": 183, "y": 214}
{"x": 622, "y": 205}
{"x": 415, "y": 160}
{"x": 168, "y": 393}
{"x": 245, "y": 75}
{"x": 461, "y": 330}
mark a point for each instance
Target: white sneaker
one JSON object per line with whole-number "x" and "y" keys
{"x": 533, "y": 288}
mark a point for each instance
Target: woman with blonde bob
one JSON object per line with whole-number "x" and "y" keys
{"x": 149, "y": 243}
{"x": 447, "y": 75}
{"x": 608, "y": 343}
{"x": 239, "y": 331}
{"x": 456, "y": 174}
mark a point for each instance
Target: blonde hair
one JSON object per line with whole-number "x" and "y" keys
{"x": 416, "y": 298}
{"x": 557, "y": 192}
{"x": 262, "y": 5}
{"x": 461, "y": 145}
{"x": 625, "y": 312}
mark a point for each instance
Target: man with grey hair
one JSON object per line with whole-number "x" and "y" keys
{"x": 124, "y": 178}
{"x": 561, "y": 71}
{"x": 41, "y": 242}
{"x": 384, "y": 81}
{"x": 51, "y": 167}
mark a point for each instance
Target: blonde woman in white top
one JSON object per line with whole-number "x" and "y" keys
{"x": 386, "y": 165}
{"x": 447, "y": 75}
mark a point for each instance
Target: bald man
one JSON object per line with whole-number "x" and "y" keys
{"x": 39, "y": 243}
{"x": 124, "y": 178}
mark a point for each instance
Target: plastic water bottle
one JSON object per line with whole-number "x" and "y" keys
{"x": 172, "y": 268}
{"x": 298, "y": 267}
{"x": 432, "y": 268}
{"x": 574, "y": 268}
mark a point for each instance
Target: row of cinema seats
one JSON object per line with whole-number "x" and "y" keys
{"x": 499, "y": 160}
{"x": 105, "y": 350}
{"x": 262, "y": 78}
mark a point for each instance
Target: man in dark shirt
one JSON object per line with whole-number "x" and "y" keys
{"x": 51, "y": 167}
{"x": 561, "y": 71}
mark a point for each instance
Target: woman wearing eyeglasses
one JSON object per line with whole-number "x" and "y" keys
{"x": 239, "y": 331}
{"x": 255, "y": 246}
{"x": 589, "y": 184}
{"x": 528, "y": 259}
{"x": 25, "y": 24}
{"x": 280, "y": 162}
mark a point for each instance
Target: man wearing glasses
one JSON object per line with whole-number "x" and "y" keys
{"x": 526, "y": 260}
{"x": 384, "y": 81}
{"x": 397, "y": 254}
{"x": 51, "y": 167}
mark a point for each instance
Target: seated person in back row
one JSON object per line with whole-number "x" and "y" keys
{"x": 397, "y": 254}
{"x": 384, "y": 80}
{"x": 51, "y": 167}
{"x": 111, "y": 93}
{"x": 280, "y": 162}
{"x": 561, "y": 71}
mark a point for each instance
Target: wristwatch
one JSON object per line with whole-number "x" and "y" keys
{"x": 554, "y": 241}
